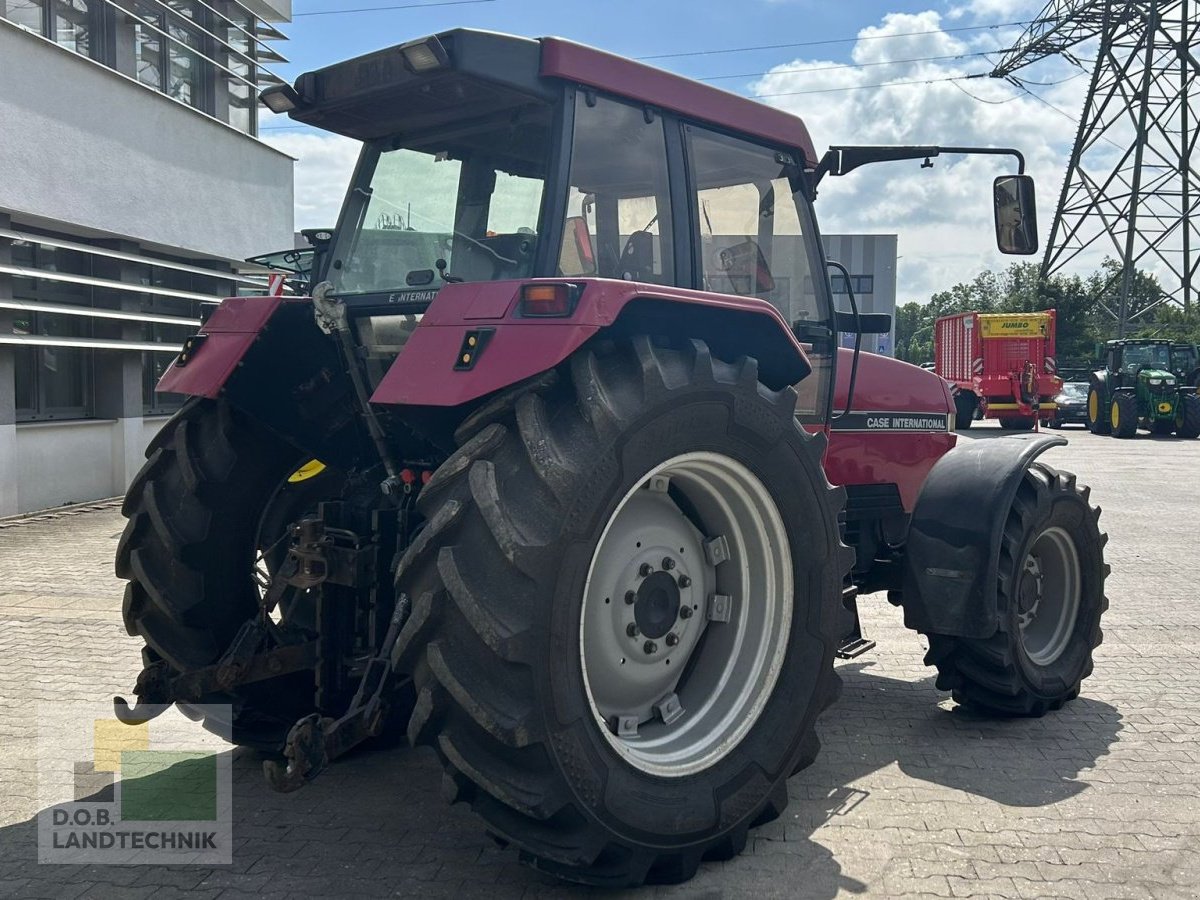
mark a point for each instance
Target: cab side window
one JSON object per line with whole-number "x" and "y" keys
{"x": 618, "y": 209}
{"x": 753, "y": 241}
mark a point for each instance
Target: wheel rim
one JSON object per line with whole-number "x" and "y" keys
{"x": 1115, "y": 415}
{"x": 686, "y": 614}
{"x": 1093, "y": 407}
{"x": 1049, "y": 591}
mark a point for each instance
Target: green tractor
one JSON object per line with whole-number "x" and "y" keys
{"x": 1138, "y": 388}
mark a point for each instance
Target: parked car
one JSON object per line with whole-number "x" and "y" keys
{"x": 1070, "y": 405}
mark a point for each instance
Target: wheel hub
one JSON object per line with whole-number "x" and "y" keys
{"x": 1049, "y": 596}
{"x": 656, "y": 609}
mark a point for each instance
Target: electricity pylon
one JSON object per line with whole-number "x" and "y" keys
{"x": 1130, "y": 180}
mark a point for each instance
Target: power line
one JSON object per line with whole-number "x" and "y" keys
{"x": 849, "y": 40}
{"x": 891, "y": 62}
{"x": 863, "y": 87}
{"x": 371, "y": 9}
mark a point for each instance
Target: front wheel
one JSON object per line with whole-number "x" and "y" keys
{"x": 626, "y": 605}
{"x": 1051, "y": 598}
{"x": 1123, "y": 416}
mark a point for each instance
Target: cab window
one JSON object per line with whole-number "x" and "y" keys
{"x": 756, "y": 239}
{"x": 618, "y": 207}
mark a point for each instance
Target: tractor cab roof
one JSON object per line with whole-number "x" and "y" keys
{"x": 457, "y": 75}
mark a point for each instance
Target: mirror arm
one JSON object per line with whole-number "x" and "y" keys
{"x": 857, "y": 334}
{"x": 843, "y": 160}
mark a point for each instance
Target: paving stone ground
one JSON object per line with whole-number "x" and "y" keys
{"x": 910, "y": 796}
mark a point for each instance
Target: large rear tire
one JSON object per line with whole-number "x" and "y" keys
{"x": 1097, "y": 412}
{"x": 1051, "y": 598}
{"x": 569, "y": 564}
{"x": 188, "y": 552}
{"x": 1187, "y": 421}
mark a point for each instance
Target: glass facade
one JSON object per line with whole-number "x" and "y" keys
{"x": 57, "y": 380}
{"x": 205, "y": 53}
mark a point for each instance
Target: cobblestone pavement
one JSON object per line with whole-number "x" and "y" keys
{"x": 910, "y": 795}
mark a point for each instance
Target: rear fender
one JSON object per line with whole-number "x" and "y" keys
{"x": 266, "y": 356}
{"x": 952, "y": 558}
{"x": 512, "y": 349}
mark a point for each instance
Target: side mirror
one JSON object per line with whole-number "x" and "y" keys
{"x": 746, "y": 268}
{"x": 1016, "y": 214}
{"x": 577, "y": 256}
{"x": 866, "y": 323}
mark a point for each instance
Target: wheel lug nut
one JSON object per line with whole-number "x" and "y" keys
{"x": 631, "y": 629}
{"x": 668, "y": 563}
{"x": 645, "y": 569}
{"x": 684, "y": 581}
{"x": 685, "y": 611}
{"x": 650, "y": 647}
{"x": 630, "y": 597}
{"x": 672, "y": 639}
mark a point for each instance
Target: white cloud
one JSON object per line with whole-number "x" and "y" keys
{"x": 324, "y": 164}
{"x": 943, "y": 215}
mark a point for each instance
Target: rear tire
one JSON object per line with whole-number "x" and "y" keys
{"x": 1187, "y": 423}
{"x": 1097, "y": 412}
{"x": 1051, "y": 598}
{"x": 1018, "y": 423}
{"x": 1123, "y": 416}
{"x": 509, "y": 581}
{"x": 188, "y": 552}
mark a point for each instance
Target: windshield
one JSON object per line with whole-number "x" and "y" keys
{"x": 1076, "y": 390}
{"x": 462, "y": 204}
{"x": 1183, "y": 358}
{"x": 1154, "y": 355}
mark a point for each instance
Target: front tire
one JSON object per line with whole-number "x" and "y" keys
{"x": 584, "y": 504}
{"x": 1051, "y": 598}
{"x": 1123, "y": 416}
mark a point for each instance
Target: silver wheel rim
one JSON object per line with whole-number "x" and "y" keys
{"x": 1048, "y": 596}
{"x": 686, "y": 614}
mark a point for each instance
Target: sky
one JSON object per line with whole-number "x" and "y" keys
{"x": 857, "y": 72}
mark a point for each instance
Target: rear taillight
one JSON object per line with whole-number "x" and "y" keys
{"x": 548, "y": 300}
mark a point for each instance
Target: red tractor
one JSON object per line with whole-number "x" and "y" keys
{"x": 560, "y": 471}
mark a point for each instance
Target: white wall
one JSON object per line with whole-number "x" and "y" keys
{"x": 64, "y": 462}
{"x": 82, "y": 144}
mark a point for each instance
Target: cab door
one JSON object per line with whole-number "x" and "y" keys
{"x": 754, "y": 235}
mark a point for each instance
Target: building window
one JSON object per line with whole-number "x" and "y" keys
{"x": 52, "y": 382}
{"x": 243, "y": 95}
{"x": 73, "y": 25}
{"x": 29, "y": 14}
{"x": 862, "y": 284}
{"x": 155, "y": 364}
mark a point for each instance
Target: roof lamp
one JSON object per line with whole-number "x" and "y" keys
{"x": 425, "y": 55}
{"x": 280, "y": 99}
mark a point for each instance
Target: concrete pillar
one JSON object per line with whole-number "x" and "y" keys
{"x": 8, "y": 390}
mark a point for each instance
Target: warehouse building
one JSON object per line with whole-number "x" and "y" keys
{"x": 134, "y": 184}
{"x": 871, "y": 261}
